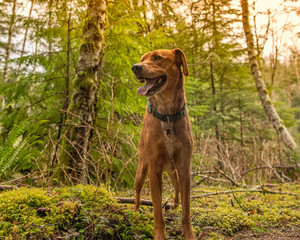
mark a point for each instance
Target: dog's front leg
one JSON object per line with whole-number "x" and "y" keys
{"x": 141, "y": 175}
{"x": 155, "y": 177}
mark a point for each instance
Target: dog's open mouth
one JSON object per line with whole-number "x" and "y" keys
{"x": 152, "y": 85}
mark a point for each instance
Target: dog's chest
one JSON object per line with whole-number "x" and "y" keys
{"x": 170, "y": 140}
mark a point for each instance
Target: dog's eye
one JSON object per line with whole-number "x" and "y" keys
{"x": 157, "y": 57}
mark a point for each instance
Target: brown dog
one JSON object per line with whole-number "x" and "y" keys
{"x": 166, "y": 142}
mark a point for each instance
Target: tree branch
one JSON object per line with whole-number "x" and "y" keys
{"x": 229, "y": 178}
{"x": 244, "y": 190}
{"x": 270, "y": 167}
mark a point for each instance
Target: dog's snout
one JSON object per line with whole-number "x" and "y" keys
{"x": 137, "y": 68}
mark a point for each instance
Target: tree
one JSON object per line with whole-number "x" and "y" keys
{"x": 214, "y": 64}
{"x": 12, "y": 23}
{"x": 269, "y": 108}
{"x": 81, "y": 112}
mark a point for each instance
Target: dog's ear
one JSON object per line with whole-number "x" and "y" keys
{"x": 180, "y": 57}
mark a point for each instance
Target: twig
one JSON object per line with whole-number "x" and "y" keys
{"x": 143, "y": 202}
{"x": 17, "y": 185}
{"x": 245, "y": 210}
{"x": 269, "y": 167}
{"x": 17, "y": 179}
{"x": 244, "y": 190}
{"x": 229, "y": 178}
{"x": 198, "y": 173}
{"x": 205, "y": 177}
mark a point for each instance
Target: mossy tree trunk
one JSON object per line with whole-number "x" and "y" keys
{"x": 81, "y": 112}
{"x": 270, "y": 110}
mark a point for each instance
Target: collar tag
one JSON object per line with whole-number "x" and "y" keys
{"x": 168, "y": 132}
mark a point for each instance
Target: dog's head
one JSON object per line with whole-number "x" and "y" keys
{"x": 159, "y": 70}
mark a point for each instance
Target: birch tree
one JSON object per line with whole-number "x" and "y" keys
{"x": 269, "y": 108}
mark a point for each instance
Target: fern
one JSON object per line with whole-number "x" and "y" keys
{"x": 16, "y": 150}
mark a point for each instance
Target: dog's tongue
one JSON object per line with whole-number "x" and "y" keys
{"x": 144, "y": 89}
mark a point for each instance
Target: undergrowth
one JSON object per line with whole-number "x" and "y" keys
{"x": 88, "y": 212}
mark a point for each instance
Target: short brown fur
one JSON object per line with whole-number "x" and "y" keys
{"x": 159, "y": 152}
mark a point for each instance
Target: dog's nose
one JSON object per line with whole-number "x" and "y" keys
{"x": 136, "y": 68}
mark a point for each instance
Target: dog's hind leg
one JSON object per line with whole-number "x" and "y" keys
{"x": 174, "y": 178}
{"x": 140, "y": 176}
{"x": 185, "y": 191}
{"x": 155, "y": 178}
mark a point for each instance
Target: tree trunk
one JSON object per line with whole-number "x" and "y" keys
{"x": 217, "y": 134}
{"x": 270, "y": 110}
{"x": 215, "y": 45}
{"x": 65, "y": 107}
{"x": 8, "y": 47}
{"x": 25, "y": 38}
{"x": 81, "y": 112}
{"x": 49, "y": 37}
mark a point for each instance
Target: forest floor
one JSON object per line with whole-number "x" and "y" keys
{"x": 258, "y": 212}
{"x": 90, "y": 212}
{"x": 270, "y": 213}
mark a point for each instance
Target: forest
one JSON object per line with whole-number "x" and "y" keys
{"x": 71, "y": 118}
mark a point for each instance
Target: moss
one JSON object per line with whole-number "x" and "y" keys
{"x": 269, "y": 101}
{"x": 21, "y": 214}
{"x": 83, "y": 211}
{"x": 87, "y": 83}
{"x": 215, "y": 236}
{"x": 260, "y": 212}
{"x": 265, "y": 91}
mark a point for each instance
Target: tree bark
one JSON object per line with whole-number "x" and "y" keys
{"x": 270, "y": 110}
{"x": 81, "y": 112}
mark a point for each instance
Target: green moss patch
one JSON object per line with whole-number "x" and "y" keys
{"x": 226, "y": 215}
{"x": 89, "y": 212}
{"x": 80, "y": 212}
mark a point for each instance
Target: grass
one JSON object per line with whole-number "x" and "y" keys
{"x": 88, "y": 212}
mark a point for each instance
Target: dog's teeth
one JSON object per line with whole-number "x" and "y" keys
{"x": 159, "y": 81}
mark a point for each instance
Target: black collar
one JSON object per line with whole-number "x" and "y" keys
{"x": 166, "y": 118}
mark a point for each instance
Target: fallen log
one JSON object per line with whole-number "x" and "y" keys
{"x": 6, "y": 187}
{"x": 166, "y": 205}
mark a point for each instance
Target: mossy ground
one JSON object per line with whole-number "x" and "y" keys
{"x": 80, "y": 212}
{"x": 224, "y": 216}
{"x": 88, "y": 212}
